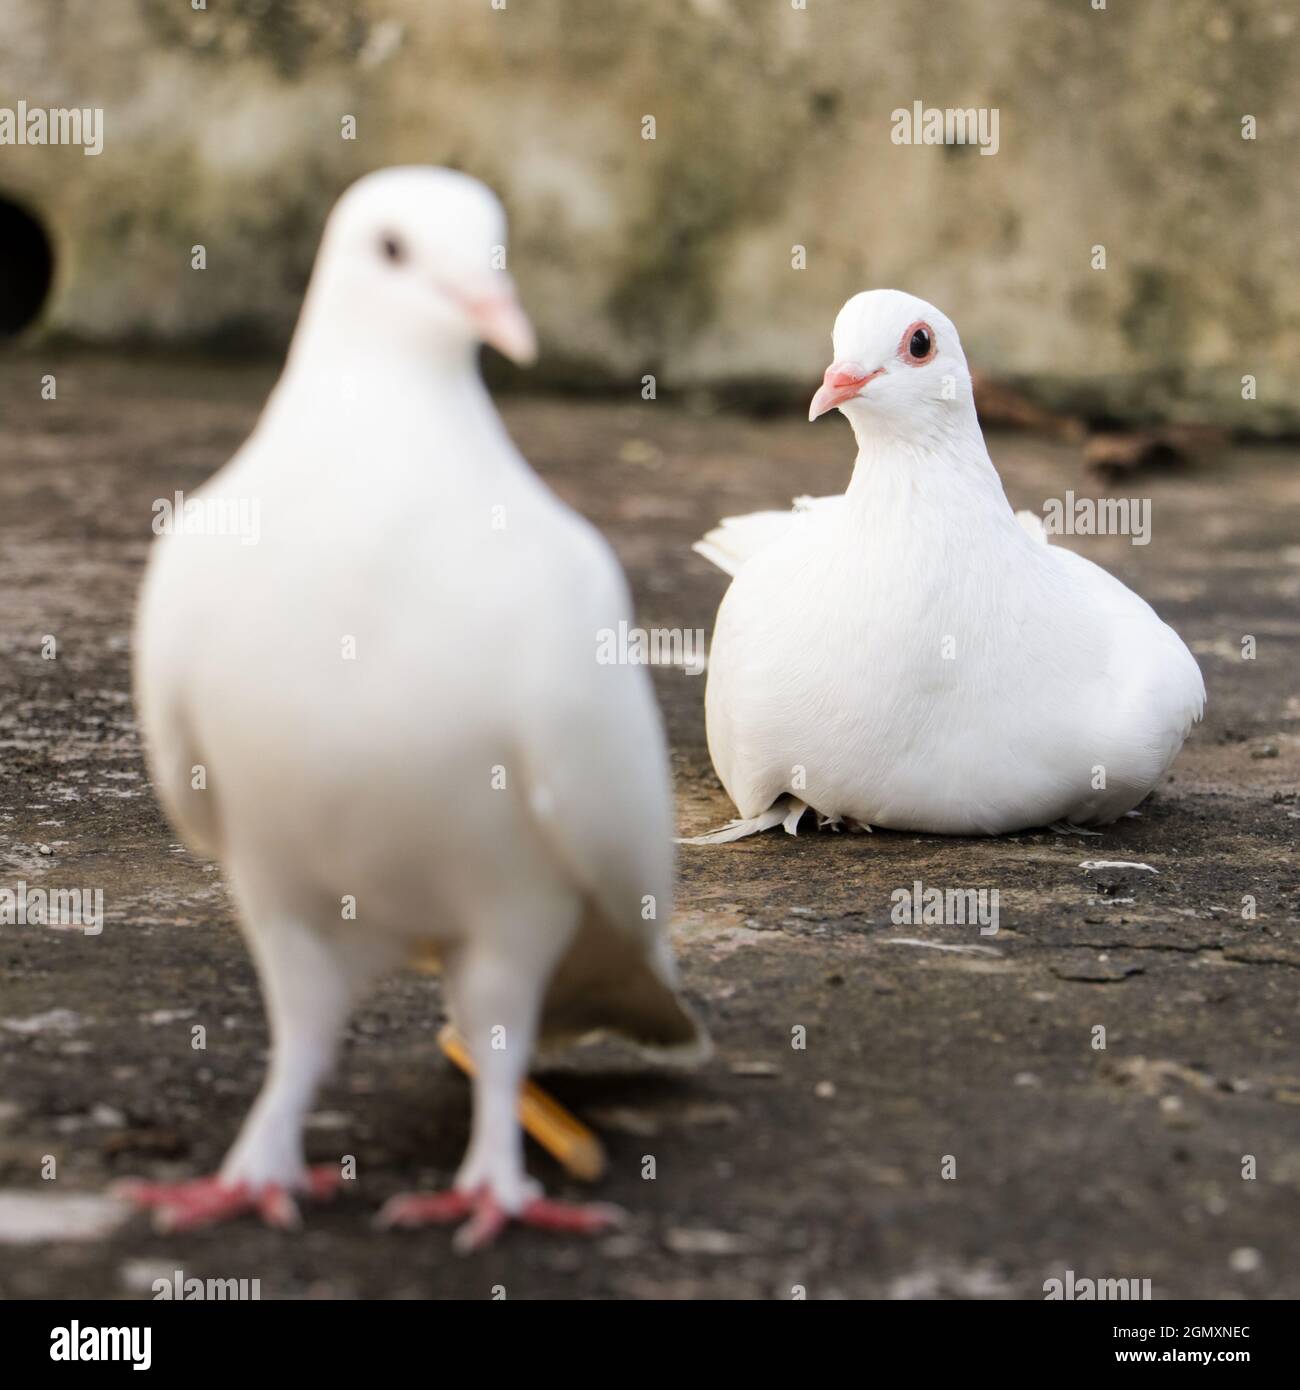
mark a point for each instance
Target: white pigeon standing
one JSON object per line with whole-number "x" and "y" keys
{"x": 914, "y": 655}
{"x": 384, "y": 714}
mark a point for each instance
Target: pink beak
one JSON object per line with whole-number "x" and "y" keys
{"x": 843, "y": 381}
{"x": 502, "y": 323}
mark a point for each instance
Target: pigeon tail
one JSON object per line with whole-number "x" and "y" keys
{"x": 785, "y": 811}
{"x": 609, "y": 985}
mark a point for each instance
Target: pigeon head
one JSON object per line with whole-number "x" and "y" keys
{"x": 417, "y": 254}
{"x": 898, "y": 361}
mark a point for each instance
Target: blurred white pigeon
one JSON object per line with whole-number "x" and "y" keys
{"x": 912, "y": 654}
{"x": 386, "y": 718}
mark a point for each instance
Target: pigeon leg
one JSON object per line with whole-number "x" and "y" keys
{"x": 561, "y": 1134}
{"x": 309, "y": 981}
{"x": 496, "y": 999}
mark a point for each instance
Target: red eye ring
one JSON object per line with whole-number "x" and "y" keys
{"x": 917, "y": 335}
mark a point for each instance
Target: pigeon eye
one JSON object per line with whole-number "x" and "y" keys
{"x": 392, "y": 248}
{"x": 920, "y": 342}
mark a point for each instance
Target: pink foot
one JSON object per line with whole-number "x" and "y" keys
{"x": 198, "y": 1202}
{"x": 488, "y": 1218}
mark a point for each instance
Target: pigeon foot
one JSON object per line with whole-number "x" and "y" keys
{"x": 198, "y": 1202}
{"x": 487, "y": 1218}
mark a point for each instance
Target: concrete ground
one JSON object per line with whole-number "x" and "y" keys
{"x": 775, "y": 1167}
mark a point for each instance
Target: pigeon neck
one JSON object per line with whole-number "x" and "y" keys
{"x": 333, "y": 370}
{"x": 946, "y": 465}
{"x": 323, "y": 343}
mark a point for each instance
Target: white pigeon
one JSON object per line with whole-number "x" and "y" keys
{"x": 914, "y": 655}
{"x": 384, "y": 714}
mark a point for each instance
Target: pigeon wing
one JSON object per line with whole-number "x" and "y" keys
{"x": 165, "y": 630}
{"x": 596, "y": 770}
{"x": 736, "y": 539}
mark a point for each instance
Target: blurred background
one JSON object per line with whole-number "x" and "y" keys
{"x": 1120, "y": 126}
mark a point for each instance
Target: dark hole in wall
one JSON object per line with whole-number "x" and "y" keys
{"x": 26, "y": 267}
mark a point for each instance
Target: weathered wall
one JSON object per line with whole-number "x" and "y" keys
{"x": 1120, "y": 127}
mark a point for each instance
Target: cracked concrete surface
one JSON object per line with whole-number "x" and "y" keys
{"x": 775, "y": 1167}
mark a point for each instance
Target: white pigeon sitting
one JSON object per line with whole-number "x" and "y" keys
{"x": 386, "y": 717}
{"x": 912, "y": 654}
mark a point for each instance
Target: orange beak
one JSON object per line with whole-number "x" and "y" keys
{"x": 843, "y": 381}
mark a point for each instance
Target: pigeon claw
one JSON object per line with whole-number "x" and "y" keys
{"x": 487, "y": 1218}
{"x": 425, "y": 1209}
{"x": 199, "y": 1202}
{"x": 577, "y": 1218}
